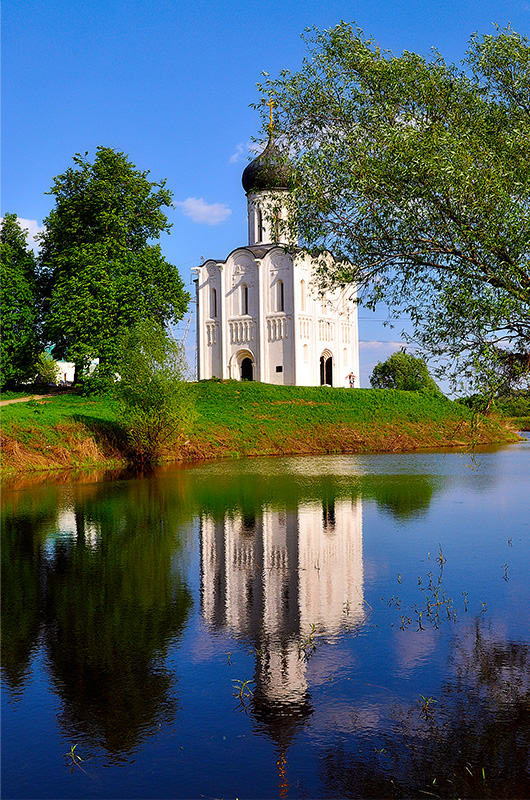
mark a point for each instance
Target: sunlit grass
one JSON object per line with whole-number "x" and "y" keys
{"x": 236, "y": 419}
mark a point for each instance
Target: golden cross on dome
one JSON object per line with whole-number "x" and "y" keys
{"x": 271, "y": 106}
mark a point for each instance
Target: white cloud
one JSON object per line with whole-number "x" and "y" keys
{"x": 33, "y": 228}
{"x": 200, "y": 211}
{"x": 243, "y": 150}
{"x": 235, "y": 157}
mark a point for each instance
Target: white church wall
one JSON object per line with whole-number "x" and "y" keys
{"x": 266, "y": 320}
{"x": 241, "y": 331}
{"x": 276, "y": 275}
{"x": 306, "y": 356}
{"x": 267, "y": 218}
{"x": 213, "y": 308}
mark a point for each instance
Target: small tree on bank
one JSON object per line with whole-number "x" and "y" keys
{"x": 403, "y": 371}
{"x": 155, "y": 405}
{"x": 47, "y": 369}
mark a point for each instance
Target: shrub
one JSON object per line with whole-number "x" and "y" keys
{"x": 403, "y": 371}
{"x": 48, "y": 370}
{"x": 99, "y": 382}
{"x": 155, "y": 405}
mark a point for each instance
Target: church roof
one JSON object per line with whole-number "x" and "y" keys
{"x": 268, "y": 171}
{"x": 260, "y": 250}
{"x": 257, "y": 250}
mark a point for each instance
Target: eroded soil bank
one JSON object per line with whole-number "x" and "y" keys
{"x": 235, "y": 420}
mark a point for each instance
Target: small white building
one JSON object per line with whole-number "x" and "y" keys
{"x": 259, "y": 314}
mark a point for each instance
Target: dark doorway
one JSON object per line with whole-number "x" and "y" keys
{"x": 246, "y": 369}
{"x": 326, "y": 371}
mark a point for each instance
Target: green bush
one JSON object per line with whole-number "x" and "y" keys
{"x": 156, "y": 408}
{"x": 514, "y": 405}
{"x": 403, "y": 371}
{"x": 47, "y": 369}
{"x": 99, "y": 382}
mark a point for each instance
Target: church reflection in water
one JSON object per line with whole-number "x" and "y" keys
{"x": 275, "y": 579}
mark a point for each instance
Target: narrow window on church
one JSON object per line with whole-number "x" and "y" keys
{"x": 276, "y": 227}
{"x": 259, "y": 224}
{"x": 244, "y": 299}
{"x": 324, "y": 304}
{"x": 345, "y": 357}
{"x": 302, "y": 295}
{"x": 213, "y": 303}
{"x": 280, "y": 296}
{"x": 306, "y": 354}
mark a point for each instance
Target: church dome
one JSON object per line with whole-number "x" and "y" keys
{"x": 267, "y": 171}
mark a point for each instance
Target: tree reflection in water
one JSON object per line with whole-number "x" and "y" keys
{"x": 97, "y": 606}
{"x": 404, "y": 500}
{"x": 473, "y": 743}
{"x": 100, "y": 589}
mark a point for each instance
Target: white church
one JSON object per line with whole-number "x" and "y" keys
{"x": 259, "y": 315}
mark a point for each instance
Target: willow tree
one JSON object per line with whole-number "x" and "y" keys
{"x": 102, "y": 267}
{"x": 415, "y": 175}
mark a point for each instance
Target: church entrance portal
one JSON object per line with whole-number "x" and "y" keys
{"x": 246, "y": 370}
{"x": 326, "y": 370}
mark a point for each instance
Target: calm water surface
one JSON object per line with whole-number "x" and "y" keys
{"x": 354, "y": 626}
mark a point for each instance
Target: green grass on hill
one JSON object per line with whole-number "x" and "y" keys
{"x": 246, "y": 419}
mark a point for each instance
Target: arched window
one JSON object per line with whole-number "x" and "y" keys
{"x": 213, "y": 303}
{"x": 244, "y": 299}
{"x": 280, "y": 296}
{"x": 259, "y": 225}
{"x": 276, "y": 226}
{"x": 306, "y": 354}
{"x": 302, "y": 295}
{"x": 345, "y": 357}
{"x": 323, "y": 304}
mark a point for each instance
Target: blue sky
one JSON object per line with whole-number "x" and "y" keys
{"x": 171, "y": 85}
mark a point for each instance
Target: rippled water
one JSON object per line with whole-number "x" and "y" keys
{"x": 353, "y": 626}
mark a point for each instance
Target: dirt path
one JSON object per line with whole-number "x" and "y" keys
{"x": 25, "y": 399}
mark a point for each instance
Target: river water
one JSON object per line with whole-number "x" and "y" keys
{"x": 337, "y": 626}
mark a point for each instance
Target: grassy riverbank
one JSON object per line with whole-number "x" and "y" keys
{"x": 245, "y": 419}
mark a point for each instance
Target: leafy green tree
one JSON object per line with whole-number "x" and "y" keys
{"x": 101, "y": 269}
{"x": 415, "y": 174}
{"x": 156, "y": 408}
{"x": 19, "y": 346}
{"x": 47, "y": 369}
{"x": 402, "y": 371}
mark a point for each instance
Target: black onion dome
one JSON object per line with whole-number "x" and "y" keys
{"x": 267, "y": 171}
